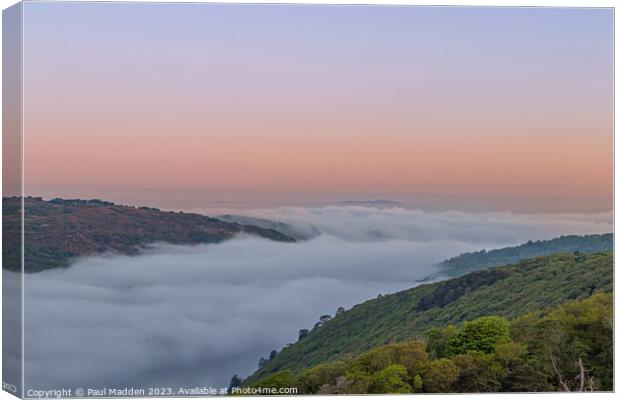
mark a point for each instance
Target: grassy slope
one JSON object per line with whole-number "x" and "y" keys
{"x": 532, "y": 284}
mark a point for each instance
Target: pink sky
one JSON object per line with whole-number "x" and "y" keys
{"x": 461, "y": 119}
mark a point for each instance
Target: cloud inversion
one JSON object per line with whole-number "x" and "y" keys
{"x": 183, "y": 316}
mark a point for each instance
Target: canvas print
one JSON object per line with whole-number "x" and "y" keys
{"x": 244, "y": 199}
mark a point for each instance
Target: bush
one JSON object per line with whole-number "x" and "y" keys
{"x": 312, "y": 379}
{"x": 392, "y": 379}
{"x": 481, "y": 334}
{"x": 282, "y": 379}
{"x": 439, "y": 375}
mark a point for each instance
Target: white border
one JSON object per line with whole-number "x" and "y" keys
{"x": 484, "y": 3}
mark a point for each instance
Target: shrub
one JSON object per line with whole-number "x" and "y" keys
{"x": 439, "y": 375}
{"x": 392, "y": 379}
{"x": 481, "y": 334}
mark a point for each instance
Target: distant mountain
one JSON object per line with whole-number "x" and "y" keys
{"x": 58, "y": 230}
{"x": 381, "y": 203}
{"x": 483, "y": 259}
{"x": 509, "y": 291}
{"x": 282, "y": 227}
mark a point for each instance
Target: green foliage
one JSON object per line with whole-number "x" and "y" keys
{"x": 418, "y": 383}
{"x": 525, "y": 377}
{"x": 438, "y": 338}
{"x": 312, "y": 379}
{"x": 484, "y": 355}
{"x": 358, "y": 382}
{"x": 479, "y": 335}
{"x": 302, "y": 334}
{"x": 282, "y": 379}
{"x": 391, "y": 379}
{"x": 480, "y": 372}
{"x": 412, "y": 355}
{"x": 439, "y": 375}
{"x": 533, "y": 284}
{"x": 510, "y": 352}
{"x": 468, "y": 262}
{"x": 579, "y": 330}
{"x": 451, "y": 290}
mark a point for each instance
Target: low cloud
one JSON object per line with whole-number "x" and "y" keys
{"x": 484, "y": 228}
{"x": 182, "y": 316}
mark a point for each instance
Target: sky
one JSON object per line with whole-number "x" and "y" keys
{"x": 180, "y": 105}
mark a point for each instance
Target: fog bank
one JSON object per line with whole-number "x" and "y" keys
{"x": 499, "y": 229}
{"x": 196, "y": 315}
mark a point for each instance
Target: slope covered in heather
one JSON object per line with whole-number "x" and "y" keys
{"x": 58, "y": 230}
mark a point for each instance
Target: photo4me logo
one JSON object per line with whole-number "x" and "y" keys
{"x": 263, "y": 390}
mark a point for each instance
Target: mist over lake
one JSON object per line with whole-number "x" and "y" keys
{"x": 183, "y": 316}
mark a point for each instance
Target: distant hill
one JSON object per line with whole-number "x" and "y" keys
{"x": 282, "y": 227}
{"x": 507, "y": 291}
{"x": 381, "y": 203}
{"x": 58, "y": 230}
{"x": 483, "y": 259}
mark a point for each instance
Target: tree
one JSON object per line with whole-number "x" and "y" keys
{"x": 313, "y": 378}
{"x": 418, "y": 383}
{"x": 573, "y": 341}
{"x": 510, "y": 353}
{"x": 481, "y": 334}
{"x": 282, "y": 379}
{"x": 525, "y": 377}
{"x": 303, "y": 333}
{"x": 483, "y": 374}
{"x": 273, "y": 355}
{"x": 322, "y": 320}
{"x": 437, "y": 340}
{"x": 262, "y": 362}
{"x": 235, "y": 382}
{"x": 439, "y": 375}
{"x": 392, "y": 379}
{"x": 339, "y": 311}
{"x": 585, "y": 347}
{"x": 412, "y": 355}
{"x": 359, "y": 382}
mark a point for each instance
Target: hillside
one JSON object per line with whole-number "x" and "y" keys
{"x": 467, "y": 262}
{"x": 507, "y": 291}
{"x": 58, "y": 230}
{"x": 282, "y": 227}
{"x": 567, "y": 348}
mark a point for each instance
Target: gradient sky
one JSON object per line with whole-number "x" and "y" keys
{"x": 178, "y": 105}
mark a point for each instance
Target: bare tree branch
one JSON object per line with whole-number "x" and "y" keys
{"x": 582, "y": 375}
{"x": 559, "y": 375}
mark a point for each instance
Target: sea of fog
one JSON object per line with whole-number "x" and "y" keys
{"x": 185, "y": 316}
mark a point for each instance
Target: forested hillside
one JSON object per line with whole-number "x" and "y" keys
{"x": 568, "y": 348}
{"x": 58, "y": 230}
{"x": 509, "y": 291}
{"x": 467, "y": 262}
